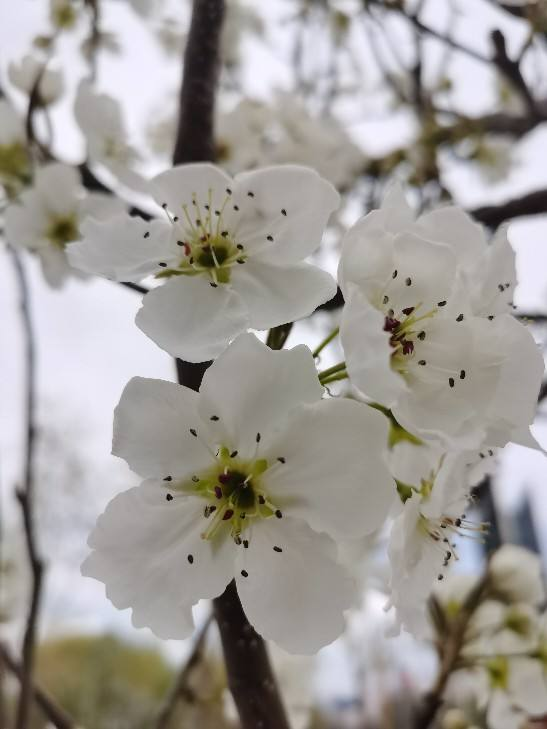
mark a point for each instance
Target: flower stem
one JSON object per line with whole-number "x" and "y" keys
{"x": 321, "y": 346}
{"x": 335, "y": 369}
{"x": 335, "y": 378}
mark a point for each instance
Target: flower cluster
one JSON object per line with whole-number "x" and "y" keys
{"x": 263, "y": 476}
{"x": 501, "y": 676}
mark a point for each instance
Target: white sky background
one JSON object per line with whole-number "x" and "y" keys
{"x": 88, "y": 347}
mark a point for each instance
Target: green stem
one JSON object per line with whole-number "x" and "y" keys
{"x": 332, "y": 371}
{"x": 320, "y": 347}
{"x": 334, "y": 378}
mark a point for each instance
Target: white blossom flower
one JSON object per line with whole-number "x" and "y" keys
{"x": 230, "y": 254}
{"x": 500, "y": 629}
{"x": 25, "y": 73}
{"x": 511, "y": 689}
{"x": 49, "y": 216}
{"x": 255, "y": 134}
{"x": 424, "y": 331}
{"x": 516, "y": 575}
{"x": 100, "y": 118}
{"x": 255, "y": 478}
{"x": 15, "y": 162}
{"x": 435, "y": 493}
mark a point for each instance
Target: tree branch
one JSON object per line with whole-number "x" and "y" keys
{"x": 449, "y": 647}
{"x": 55, "y": 714}
{"x": 250, "y": 675}
{"x": 25, "y": 496}
{"x": 511, "y": 70}
{"x": 180, "y": 688}
{"x": 533, "y": 203}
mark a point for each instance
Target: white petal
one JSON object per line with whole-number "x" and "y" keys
{"x": 495, "y": 277}
{"x": 101, "y": 206}
{"x": 503, "y": 714}
{"x": 367, "y": 350}
{"x": 55, "y": 266}
{"x": 118, "y": 249}
{"x": 140, "y": 554}
{"x": 191, "y": 319}
{"x": 452, "y": 226}
{"x": 278, "y": 294}
{"x": 177, "y": 187}
{"x": 514, "y": 405}
{"x": 439, "y": 402}
{"x": 252, "y": 389}
{"x": 399, "y": 214}
{"x": 295, "y": 597}
{"x": 152, "y": 429}
{"x": 528, "y": 685}
{"x": 58, "y": 185}
{"x": 334, "y": 475}
{"x": 25, "y": 224}
{"x": 367, "y": 253}
{"x": 306, "y": 199}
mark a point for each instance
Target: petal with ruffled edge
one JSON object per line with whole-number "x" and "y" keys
{"x": 333, "y": 473}
{"x": 289, "y": 202}
{"x": 275, "y": 295}
{"x": 122, "y": 248}
{"x": 150, "y": 556}
{"x": 191, "y": 319}
{"x": 296, "y": 594}
{"x": 367, "y": 350}
{"x": 252, "y": 389}
{"x": 152, "y": 425}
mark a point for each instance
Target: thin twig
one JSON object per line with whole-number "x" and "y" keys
{"x": 25, "y": 496}
{"x": 450, "y": 646}
{"x": 55, "y": 714}
{"x": 180, "y": 688}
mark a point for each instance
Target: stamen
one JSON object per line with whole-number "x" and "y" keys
{"x": 190, "y": 558}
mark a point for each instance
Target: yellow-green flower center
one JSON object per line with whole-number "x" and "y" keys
{"x": 62, "y": 229}
{"x": 234, "y": 494}
{"x": 498, "y": 672}
{"x": 14, "y": 166}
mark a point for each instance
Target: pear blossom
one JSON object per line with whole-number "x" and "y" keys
{"x": 229, "y": 254}
{"x": 254, "y": 478}
{"x": 510, "y": 689}
{"x": 516, "y": 575}
{"x": 99, "y": 116}
{"x": 26, "y": 72}
{"x": 15, "y": 162}
{"x": 49, "y": 215}
{"x": 435, "y": 493}
{"x": 426, "y": 329}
